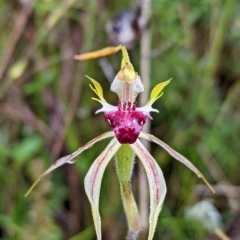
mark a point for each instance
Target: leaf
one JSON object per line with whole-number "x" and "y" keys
{"x": 177, "y": 156}
{"x": 70, "y": 158}
{"x": 156, "y": 181}
{"x": 93, "y": 179}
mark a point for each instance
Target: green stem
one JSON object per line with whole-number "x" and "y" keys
{"x": 131, "y": 210}
{"x": 124, "y": 166}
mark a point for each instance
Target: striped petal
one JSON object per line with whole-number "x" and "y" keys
{"x": 93, "y": 179}
{"x": 177, "y": 156}
{"x": 70, "y": 158}
{"x": 156, "y": 181}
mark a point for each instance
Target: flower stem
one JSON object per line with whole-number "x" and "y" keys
{"x": 124, "y": 165}
{"x": 131, "y": 210}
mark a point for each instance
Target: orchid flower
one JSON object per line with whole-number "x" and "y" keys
{"x": 126, "y": 121}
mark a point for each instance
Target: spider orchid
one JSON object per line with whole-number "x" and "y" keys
{"x": 126, "y": 121}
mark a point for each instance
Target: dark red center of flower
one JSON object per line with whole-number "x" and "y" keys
{"x": 126, "y": 122}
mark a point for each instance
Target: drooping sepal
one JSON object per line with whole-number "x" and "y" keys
{"x": 70, "y": 158}
{"x": 156, "y": 181}
{"x": 177, "y": 156}
{"x": 93, "y": 179}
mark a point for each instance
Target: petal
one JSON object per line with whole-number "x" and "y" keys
{"x": 106, "y": 107}
{"x": 70, "y": 158}
{"x": 93, "y": 179}
{"x": 97, "y": 88}
{"x": 177, "y": 156}
{"x": 156, "y": 181}
{"x": 157, "y": 92}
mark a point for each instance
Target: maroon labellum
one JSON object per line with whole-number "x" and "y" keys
{"x": 126, "y": 122}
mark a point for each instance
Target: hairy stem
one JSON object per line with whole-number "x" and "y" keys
{"x": 124, "y": 166}
{"x": 131, "y": 210}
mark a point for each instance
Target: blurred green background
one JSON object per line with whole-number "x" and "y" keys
{"x": 46, "y": 112}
